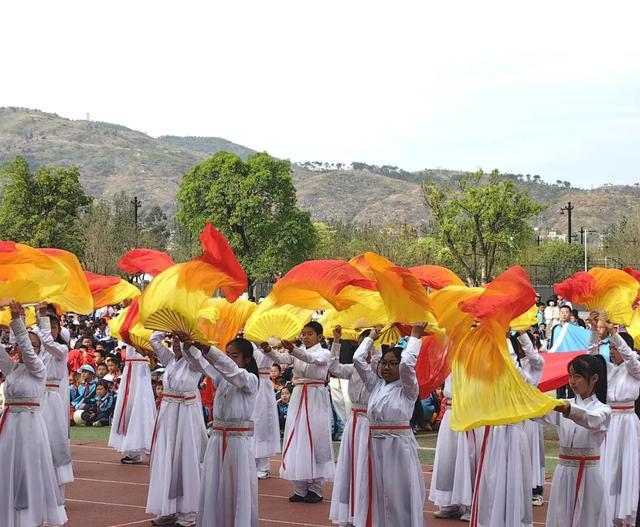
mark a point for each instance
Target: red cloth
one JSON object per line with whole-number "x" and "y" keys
{"x": 555, "y": 372}
{"x": 207, "y": 393}
{"x": 76, "y": 359}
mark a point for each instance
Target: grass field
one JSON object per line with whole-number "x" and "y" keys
{"x": 426, "y": 442}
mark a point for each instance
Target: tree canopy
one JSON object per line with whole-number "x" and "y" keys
{"x": 41, "y": 209}
{"x": 253, "y": 204}
{"x": 481, "y": 220}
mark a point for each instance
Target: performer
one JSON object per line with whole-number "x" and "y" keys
{"x": 502, "y": 489}
{"x": 135, "y": 412}
{"x": 453, "y": 468}
{"x": 229, "y": 489}
{"x": 29, "y": 489}
{"x": 349, "y": 497}
{"x": 179, "y": 440}
{"x": 265, "y": 418}
{"x": 578, "y": 497}
{"x": 307, "y": 459}
{"x": 395, "y": 482}
{"x": 55, "y": 409}
{"x": 621, "y": 450}
{"x": 531, "y": 365}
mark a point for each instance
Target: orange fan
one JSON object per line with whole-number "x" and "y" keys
{"x": 229, "y": 319}
{"x": 76, "y": 296}
{"x": 145, "y": 261}
{"x": 126, "y": 326}
{"x": 435, "y": 277}
{"x": 109, "y": 290}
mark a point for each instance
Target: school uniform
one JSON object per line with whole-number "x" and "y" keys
{"x": 265, "y": 418}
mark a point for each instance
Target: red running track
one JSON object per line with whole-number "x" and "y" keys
{"x": 106, "y": 493}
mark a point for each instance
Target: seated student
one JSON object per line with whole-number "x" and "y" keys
{"x": 283, "y": 405}
{"x": 431, "y": 408}
{"x": 100, "y": 412}
{"x": 112, "y": 369}
{"x": 278, "y": 384}
{"x": 74, "y": 380}
{"x": 101, "y": 371}
{"x": 274, "y": 373}
{"x": 86, "y": 389}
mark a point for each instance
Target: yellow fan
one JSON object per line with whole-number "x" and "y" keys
{"x": 138, "y": 336}
{"x": 284, "y": 322}
{"x": 368, "y": 312}
{"x": 30, "y": 317}
{"x": 220, "y": 320}
{"x": 526, "y": 320}
{"x": 116, "y": 294}
{"x": 634, "y": 328}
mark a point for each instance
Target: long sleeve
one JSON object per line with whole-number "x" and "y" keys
{"x": 280, "y": 358}
{"x": 198, "y": 362}
{"x": 59, "y": 351}
{"x": 408, "y": 361}
{"x": 597, "y": 419}
{"x": 32, "y": 362}
{"x": 629, "y": 356}
{"x": 165, "y": 355}
{"x": 594, "y": 343}
{"x": 552, "y": 418}
{"x": 335, "y": 348}
{"x": 6, "y": 364}
{"x": 340, "y": 371}
{"x": 534, "y": 358}
{"x": 239, "y": 377}
{"x": 319, "y": 358}
{"x": 369, "y": 378}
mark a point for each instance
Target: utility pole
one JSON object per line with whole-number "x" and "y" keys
{"x": 569, "y": 208}
{"x": 136, "y": 205}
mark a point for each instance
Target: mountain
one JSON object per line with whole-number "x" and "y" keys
{"x": 112, "y": 158}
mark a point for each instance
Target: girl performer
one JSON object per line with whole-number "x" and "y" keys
{"x": 307, "y": 460}
{"x": 265, "y": 418}
{"x": 29, "y": 491}
{"x": 179, "y": 440}
{"x": 349, "y": 498}
{"x": 135, "y": 412}
{"x": 55, "y": 409}
{"x": 502, "y": 488}
{"x": 621, "y": 449}
{"x": 578, "y": 497}
{"x": 229, "y": 489}
{"x": 453, "y": 468}
{"x": 395, "y": 483}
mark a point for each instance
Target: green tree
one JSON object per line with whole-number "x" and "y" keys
{"x": 482, "y": 220}
{"x": 253, "y": 204}
{"x": 622, "y": 239}
{"x": 42, "y": 209}
{"x": 553, "y": 261}
{"x": 156, "y": 229}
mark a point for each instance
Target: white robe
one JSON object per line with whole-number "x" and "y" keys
{"x": 585, "y": 428}
{"x": 29, "y": 491}
{"x": 304, "y": 459}
{"x": 133, "y": 433}
{"x": 229, "y": 490}
{"x": 265, "y": 417}
{"x": 348, "y": 499}
{"x": 620, "y": 452}
{"x": 398, "y": 484}
{"x": 180, "y": 438}
{"x": 503, "y": 484}
{"x": 454, "y": 464}
{"x": 55, "y": 407}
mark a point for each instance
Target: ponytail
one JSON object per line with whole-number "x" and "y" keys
{"x": 589, "y": 365}
{"x": 246, "y": 348}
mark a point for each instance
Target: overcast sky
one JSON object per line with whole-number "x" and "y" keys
{"x": 549, "y": 88}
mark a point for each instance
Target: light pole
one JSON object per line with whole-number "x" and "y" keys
{"x": 569, "y": 208}
{"x": 585, "y": 233}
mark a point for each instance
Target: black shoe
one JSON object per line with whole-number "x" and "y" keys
{"x": 296, "y": 498}
{"x": 312, "y": 497}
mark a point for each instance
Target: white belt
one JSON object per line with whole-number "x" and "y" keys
{"x": 185, "y": 398}
{"x": 574, "y": 457}
{"x": 622, "y": 407}
{"x": 389, "y": 429}
{"x": 233, "y": 428}
{"x": 52, "y": 385}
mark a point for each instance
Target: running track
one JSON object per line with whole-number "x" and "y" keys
{"x": 106, "y": 493}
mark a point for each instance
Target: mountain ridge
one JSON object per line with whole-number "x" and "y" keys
{"x": 112, "y": 158}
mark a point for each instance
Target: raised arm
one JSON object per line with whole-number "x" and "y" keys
{"x": 59, "y": 351}
{"x": 533, "y": 364}
{"x": 239, "y": 377}
{"x": 32, "y": 362}
{"x": 368, "y": 376}
{"x": 340, "y": 371}
{"x": 321, "y": 358}
{"x": 164, "y": 354}
{"x": 629, "y": 356}
{"x": 6, "y": 364}
{"x": 198, "y": 362}
{"x": 408, "y": 361}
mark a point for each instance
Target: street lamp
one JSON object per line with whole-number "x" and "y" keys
{"x": 584, "y": 233}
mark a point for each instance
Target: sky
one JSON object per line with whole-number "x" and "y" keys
{"x": 546, "y": 87}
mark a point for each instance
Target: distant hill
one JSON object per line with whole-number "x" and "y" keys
{"x": 208, "y": 145}
{"x": 112, "y": 158}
